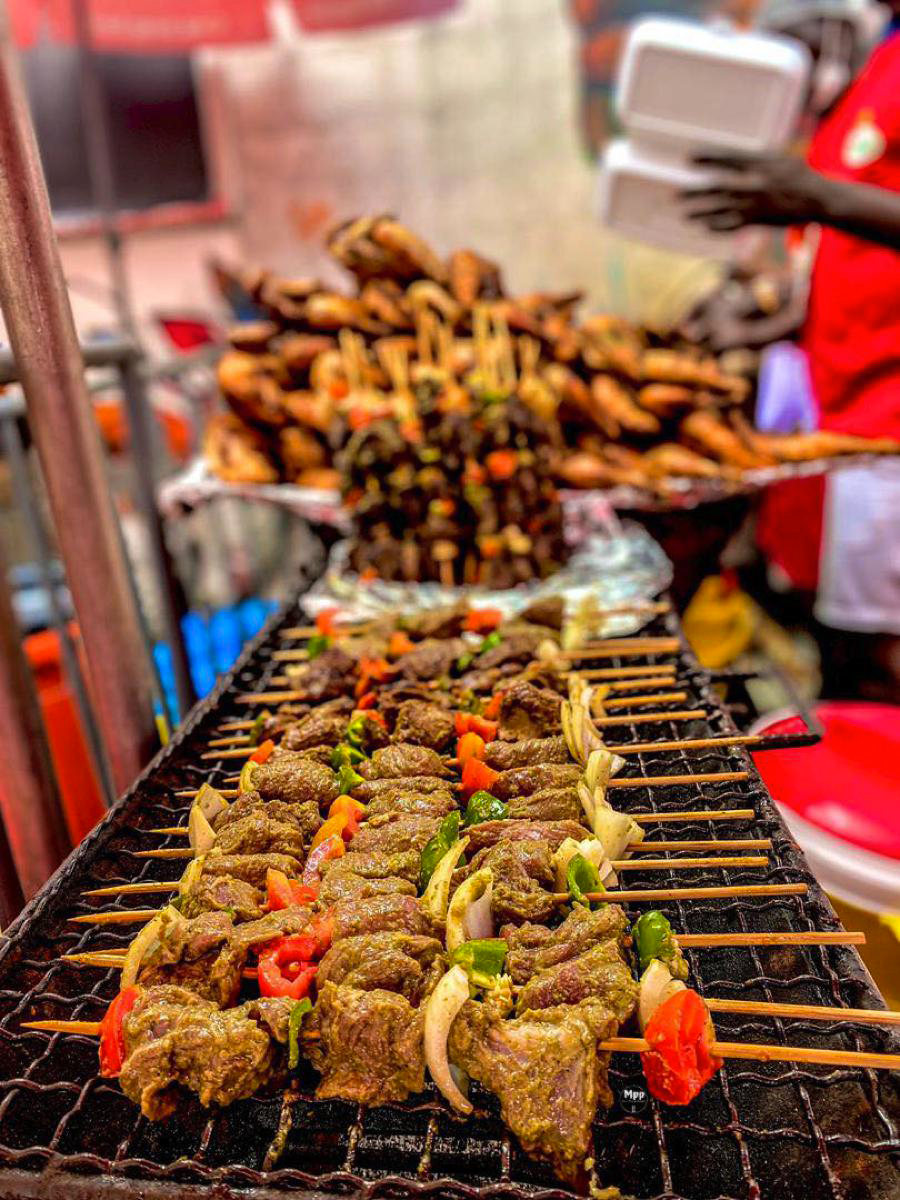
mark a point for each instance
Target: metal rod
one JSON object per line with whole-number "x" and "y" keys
{"x": 172, "y": 604}
{"x": 42, "y": 333}
{"x": 26, "y": 500}
{"x": 32, "y": 812}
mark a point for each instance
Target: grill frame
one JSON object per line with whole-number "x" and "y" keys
{"x": 803, "y": 1142}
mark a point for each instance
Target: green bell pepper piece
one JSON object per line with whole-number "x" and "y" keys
{"x": 483, "y": 806}
{"x": 435, "y": 849}
{"x": 345, "y": 756}
{"x": 582, "y": 878}
{"x": 295, "y": 1021}
{"x": 317, "y": 645}
{"x": 347, "y": 779}
{"x": 483, "y": 959}
{"x": 653, "y": 938}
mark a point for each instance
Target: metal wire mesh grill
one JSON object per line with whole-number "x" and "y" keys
{"x": 758, "y": 1130}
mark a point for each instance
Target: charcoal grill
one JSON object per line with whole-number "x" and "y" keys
{"x": 757, "y": 1130}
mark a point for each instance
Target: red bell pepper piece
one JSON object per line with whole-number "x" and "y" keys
{"x": 369, "y": 700}
{"x": 469, "y": 746}
{"x": 112, "y": 1035}
{"x": 331, "y": 847}
{"x": 372, "y": 670}
{"x": 680, "y": 1058}
{"x": 400, "y": 643}
{"x": 472, "y": 723}
{"x": 477, "y": 776}
{"x": 264, "y": 751}
{"x": 378, "y": 717}
{"x": 492, "y": 708}
{"x": 326, "y": 621}
{"x": 284, "y": 971}
{"x": 502, "y": 464}
{"x": 282, "y": 892}
{"x": 483, "y": 620}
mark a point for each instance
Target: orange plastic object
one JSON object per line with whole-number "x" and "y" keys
{"x": 81, "y": 796}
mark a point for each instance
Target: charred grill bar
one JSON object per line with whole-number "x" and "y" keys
{"x": 756, "y": 1126}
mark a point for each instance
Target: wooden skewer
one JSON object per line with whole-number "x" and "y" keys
{"x": 763, "y": 1052}
{"x": 702, "y": 844}
{"x": 753, "y": 1051}
{"x": 722, "y": 814}
{"x": 125, "y": 917}
{"x": 134, "y": 889}
{"x": 244, "y": 751}
{"x": 233, "y": 726}
{"x": 632, "y": 685}
{"x": 622, "y": 896}
{"x": 710, "y": 941}
{"x": 617, "y": 673}
{"x": 638, "y": 701}
{"x": 812, "y": 1012}
{"x": 737, "y": 739}
{"x": 681, "y": 714}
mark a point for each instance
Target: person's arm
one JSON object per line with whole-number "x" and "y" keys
{"x": 780, "y": 190}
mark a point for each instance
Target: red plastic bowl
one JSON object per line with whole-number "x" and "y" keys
{"x": 849, "y": 784}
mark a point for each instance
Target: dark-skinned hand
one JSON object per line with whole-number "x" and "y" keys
{"x": 760, "y": 189}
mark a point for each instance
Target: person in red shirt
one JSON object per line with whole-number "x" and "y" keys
{"x": 839, "y": 534}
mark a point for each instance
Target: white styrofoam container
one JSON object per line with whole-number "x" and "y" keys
{"x": 683, "y": 86}
{"x": 638, "y": 197}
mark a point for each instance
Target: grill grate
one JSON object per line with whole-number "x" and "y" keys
{"x": 758, "y": 1130}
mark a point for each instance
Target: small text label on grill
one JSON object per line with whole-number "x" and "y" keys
{"x": 633, "y": 1098}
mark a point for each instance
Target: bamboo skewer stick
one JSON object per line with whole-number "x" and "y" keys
{"x": 621, "y": 896}
{"x": 751, "y": 1051}
{"x": 633, "y": 685}
{"x": 638, "y": 701}
{"x": 618, "y": 673}
{"x": 681, "y": 714}
{"x": 722, "y": 814}
{"x": 710, "y": 743}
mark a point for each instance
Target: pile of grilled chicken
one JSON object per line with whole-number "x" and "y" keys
{"x": 383, "y": 950}
{"x": 631, "y": 406}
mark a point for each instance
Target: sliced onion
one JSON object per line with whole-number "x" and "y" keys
{"x": 441, "y": 1011}
{"x": 657, "y": 985}
{"x": 598, "y": 769}
{"x": 590, "y": 849}
{"x": 588, "y": 803}
{"x": 547, "y": 651}
{"x": 578, "y": 732}
{"x": 462, "y": 908}
{"x": 615, "y": 830}
{"x": 210, "y": 802}
{"x": 598, "y": 695}
{"x": 248, "y": 772}
{"x": 437, "y": 895}
{"x": 479, "y": 921}
{"x": 565, "y": 715}
{"x": 191, "y": 875}
{"x": 148, "y": 937}
{"x": 201, "y": 834}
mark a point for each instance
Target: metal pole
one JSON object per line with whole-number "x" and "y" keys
{"x": 29, "y": 797}
{"x": 172, "y": 600}
{"x": 42, "y": 332}
{"x": 17, "y": 461}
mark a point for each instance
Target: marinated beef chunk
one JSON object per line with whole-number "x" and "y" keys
{"x": 479, "y": 682}
{"x": 288, "y": 775}
{"x": 403, "y": 761}
{"x": 328, "y": 677}
{"x": 600, "y": 973}
{"x": 370, "y": 1046}
{"x": 525, "y": 781}
{"x": 373, "y": 735}
{"x": 535, "y": 948}
{"x": 438, "y": 622}
{"x": 554, "y": 833}
{"x": 392, "y": 696}
{"x": 515, "y": 647}
{"x": 551, "y": 804}
{"x": 317, "y": 729}
{"x": 198, "y": 955}
{"x": 372, "y": 789}
{"x": 303, "y": 817}
{"x": 505, "y": 756}
{"x": 523, "y": 880}
{"x": 544, "y": 1069}
{"x": 256, "y": 834}
{"x": 393, "y": 962}
{"x": 432, "y": 659}
{"x": 375, "y": 864}
{"x": 341, "y": 884}
{"x": 549, "y": 611}
{"x": 421, "y": 723}
{"x": 527, "y": 711}
{"x": 396, "y": 832}
{"x": 402, "y": 800}
{"x": 251, "y": 868}
{"x": 390, "y": 913}
{"x": 176, "y": 1043}
{"x": 213, "y": 893}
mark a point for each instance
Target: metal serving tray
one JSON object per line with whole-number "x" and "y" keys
{"x": 757, "y": 1131}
